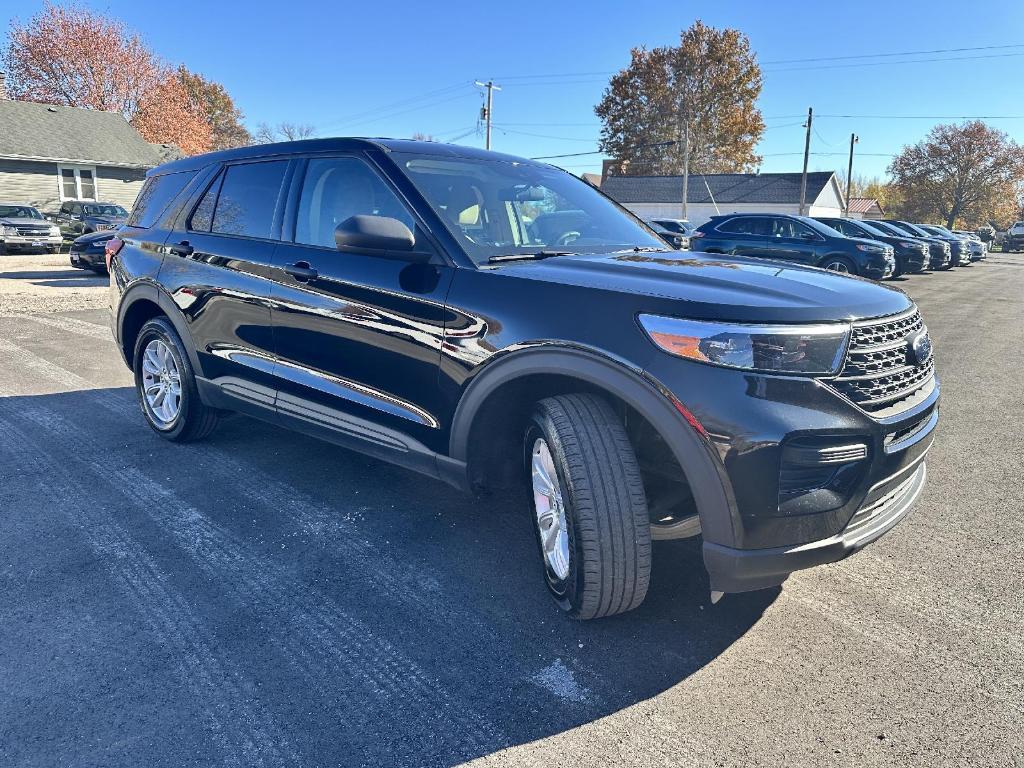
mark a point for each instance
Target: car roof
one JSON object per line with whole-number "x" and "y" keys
{"x": 20, "y": 205}
{"x": 337, "y": 144}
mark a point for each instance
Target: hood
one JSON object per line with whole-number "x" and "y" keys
{"x": 95, "y": 237}
{"x": 713, "y": 287}
{"x": 867, "y": 241}
{"x": 22, "y": 221}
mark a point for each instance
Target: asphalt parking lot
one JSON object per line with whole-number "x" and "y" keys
{"x": 261, "y": 600}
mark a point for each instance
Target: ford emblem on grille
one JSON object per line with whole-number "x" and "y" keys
{"x": 919, "y": 349}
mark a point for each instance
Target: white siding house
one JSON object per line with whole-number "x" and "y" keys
{"x": 709, "y": 194}
{"x": 49, "y": 154}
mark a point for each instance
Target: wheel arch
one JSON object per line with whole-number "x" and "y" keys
{"x": 575, "y": 369}
{"x": 141, "y": 302}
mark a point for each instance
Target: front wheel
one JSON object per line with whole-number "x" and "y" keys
{"x": 839, "y": 264}
{"x": 589, "y": 508}
{"x": 167, "y": 387}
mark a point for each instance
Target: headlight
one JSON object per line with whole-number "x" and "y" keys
{"x": 54, "y": 231}
{"x": 9, "y": 231}
{"x": 803, "y": 349}
{"x": 869, "y": 248}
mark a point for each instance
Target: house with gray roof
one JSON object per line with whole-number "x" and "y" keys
{"x": 713, "y": 193}
{"x": 49, "y": 154}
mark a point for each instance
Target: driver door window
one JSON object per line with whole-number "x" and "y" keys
{"x": 338, "y": 188}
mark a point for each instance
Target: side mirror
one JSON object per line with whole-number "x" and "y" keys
{"x": 378, "y": 236}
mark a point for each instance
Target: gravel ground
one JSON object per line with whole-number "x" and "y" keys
{"x": 262, "y": 599}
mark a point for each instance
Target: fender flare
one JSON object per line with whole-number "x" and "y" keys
{"x": 708, "y": 481}
{"x": 146, "y": 290}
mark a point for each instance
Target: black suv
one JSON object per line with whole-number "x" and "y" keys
{"x": 960, "y": 252}
{"x": 76, "y": 219}
{"x": 911, "y": 254}
{"x": 940, "y": 255}
{"x": 798, "y": 239}
{"x": 497, "y": 323}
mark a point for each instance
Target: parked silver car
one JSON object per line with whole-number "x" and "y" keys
{"x": 24, "y": 228}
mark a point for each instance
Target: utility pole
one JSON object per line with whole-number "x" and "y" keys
{"x": 486, "y": 111}
{"x": 807, "y": 153}
{"x": 849, "y": 172}
{"x": 686, "y": 167}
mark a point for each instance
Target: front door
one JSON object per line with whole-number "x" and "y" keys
{"x": 357, "y": 335}
{"x": 793, "y": 241}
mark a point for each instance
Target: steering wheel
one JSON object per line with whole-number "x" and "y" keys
{"x": 567, "y": 238}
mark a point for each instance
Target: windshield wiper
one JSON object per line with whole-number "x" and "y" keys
{"x": 645, "y": 249}
{"x": 536, "y": 255}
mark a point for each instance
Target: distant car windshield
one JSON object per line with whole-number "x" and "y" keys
{"x": 105, "y": 210}
{"x": 505, "y": 207}
{"x": 889, "y": 229}
{"x": 821, "y": 229}
{"x": 674, "y": 225}
{"x": 914, "y": 230}
{"x": 940, "y": 231}
{"x": 19, "y": 212}
{"x": 871, "y": 228}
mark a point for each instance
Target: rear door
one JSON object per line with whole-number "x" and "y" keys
{"x": 358, "y": 335}
{"x": 217, "y": 269}
{"x": 745, "y": 235}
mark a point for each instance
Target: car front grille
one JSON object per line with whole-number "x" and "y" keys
{"x": 879, "y": 372}
{"x": 28, "y": 230}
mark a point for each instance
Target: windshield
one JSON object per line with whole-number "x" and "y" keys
{"x": 940, "y": 231}
{"x": 911, "y": 229}
{"x": 872, "y": 229}
{"x": 105, "y": 210}
{"x": 821, "y": 229}
{"x": 889, "y": 229}
{"x": 502, "y": 208}
{"x": 674, "y": 225}
{"x": 19, "y": 212}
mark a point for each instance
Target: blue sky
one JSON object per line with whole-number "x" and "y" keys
{"x": 390, "y": 69}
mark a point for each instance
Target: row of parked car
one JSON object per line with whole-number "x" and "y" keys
{"x": 873, "y": 249}
{"x": 25, "y": 228}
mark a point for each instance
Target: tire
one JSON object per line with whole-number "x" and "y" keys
{"x": 839, "y": 264}
{"x": 193, "y": 419}
{"x": 607, "y": 530}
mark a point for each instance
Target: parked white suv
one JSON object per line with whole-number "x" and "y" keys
{"x": 1014, "y": 240}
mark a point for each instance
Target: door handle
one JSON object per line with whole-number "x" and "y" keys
{"x": 184, "y": 248}
{"x": 301, "y": 271}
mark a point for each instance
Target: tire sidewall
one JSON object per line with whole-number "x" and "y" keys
{"x": 161, "y": 329}
{"x": 567, "y": 591}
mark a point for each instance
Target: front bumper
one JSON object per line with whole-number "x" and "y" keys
{"x": 752, "y": 422}
{"x": 27, "y": 242}
{"x": 87, "y": 259}
{"x": 739, "y": 570}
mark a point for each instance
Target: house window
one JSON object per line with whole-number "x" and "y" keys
{"x": 77, "y": 183}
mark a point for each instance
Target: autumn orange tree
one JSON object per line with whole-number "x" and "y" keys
{"x": 70, "y": 55}
{"x": 961, "y": 175}
{"x": 708, "y": 84}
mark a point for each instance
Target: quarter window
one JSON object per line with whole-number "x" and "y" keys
{"x": 338, "y": 188}
{"x": 156, "y": 195}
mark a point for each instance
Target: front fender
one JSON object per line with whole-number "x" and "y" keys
{"x": 698, "y": 459}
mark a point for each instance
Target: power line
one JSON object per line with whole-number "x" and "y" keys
{"x": 892, "y": 63}
{"x": 898, "y": 53}
{"x": 385, "y": 111}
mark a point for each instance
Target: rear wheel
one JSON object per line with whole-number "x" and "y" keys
{"x": 166, "y": 385}
{"x": 589, "y": 508}
{"x": 839, "y": 264}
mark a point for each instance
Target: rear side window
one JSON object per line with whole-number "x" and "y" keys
{"x": 242, "y": 201}
{"x": 744, "y": 225}
{"x": 157, "y": 193}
